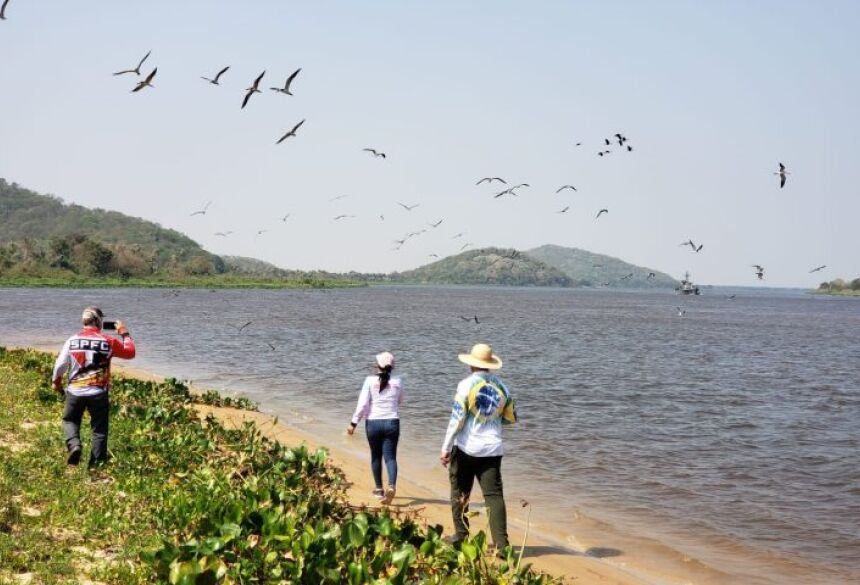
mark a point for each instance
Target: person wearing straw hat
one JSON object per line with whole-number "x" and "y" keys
{"x": 473, "y": 443}
{"x": 379, "y": 404}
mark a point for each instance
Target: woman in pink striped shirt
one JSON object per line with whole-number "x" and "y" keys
{"x": 379, "y": 404}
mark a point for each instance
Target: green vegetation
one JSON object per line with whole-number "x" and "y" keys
{"x": 186, "y": 500}
{"x": 840, "y": 287}
{"x": 493, "y": 266}
{"x": 42, "y": 236}
{"x": 588, "y": 269}
{"x": 45, "y": 242}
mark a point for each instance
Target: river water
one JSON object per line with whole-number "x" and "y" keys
{"x": 729, "y": 436}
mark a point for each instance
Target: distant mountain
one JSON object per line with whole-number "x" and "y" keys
{"x": 495, "y": 266}
{"x": 589, "y": 269}
{"x": 40, "y": 234}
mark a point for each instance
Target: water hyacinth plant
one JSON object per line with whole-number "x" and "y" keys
{"x": 186, "y": 500}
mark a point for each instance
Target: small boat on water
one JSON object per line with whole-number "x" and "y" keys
{"x": 687, "y": 287}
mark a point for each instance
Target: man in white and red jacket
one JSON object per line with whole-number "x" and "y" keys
{"x": 86, "y": 358}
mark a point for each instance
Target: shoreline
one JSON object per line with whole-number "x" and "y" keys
{"x": 598, "y": 555}
{"x": 418, "y": 494}
{"x": 587, "y": 550}
{"x": 425, "y": 495}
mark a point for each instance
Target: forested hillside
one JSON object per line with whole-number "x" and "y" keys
{"x": 586, "y": 268}
{"x": 487, "y": 266}
{"x": 40, "y": 235}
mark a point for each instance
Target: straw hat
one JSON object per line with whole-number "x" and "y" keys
{"x": 481, "y": 356}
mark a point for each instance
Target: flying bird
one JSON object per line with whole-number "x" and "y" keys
{"x": 252, "y": 90}
{"x": 381, "y": 217}
{"x": 223, "y": 234}
{"x": 375, "y": 152}
{"x": 607, "y": 141}
{"x": 515, "y": 187}
{"x": 238, "y": 328}
{"x": 286, "y": 89}
{"x": 261, "y": 232}
{"x": 579, "y": 144}
{"x": 217, "y": 77}
{"x": 460, "y": 235}
{"x": 408, "y": 207}
{"x": 475, "y": 319}
{"x": 271, "y": 347}
{"x": 343, "y": 216}
{"x": 491, "y": 179}
{"x": 338, "y": 197}
{"x": 818, "y": 268}
{"x": 688, "y": 243}
{"x": 759, "y": 271}
{"x": 465, "y": 246}
{"x": 564, "y": 210}
{"x": 628, "y": 276}
{"x": 602, "y": 152}
{"x": 285, "y": 218}
{"x": 3, "y": 10}
{"x": 433, "y": 255}
{"x": 601, "y": 212}
{"x": 782, "y": 173}
{"x": 437, "y": 224}
{"x": 505, "y": 192}
{"x": 563, "y": 187}
{"x": 146, "y": 82}
{"x": 629, "y": 148}
{"x": 290, "y": 133}
{"x": 681, "y": 312}
{"x": 136, "y": 70}
{"x": 650, "y": 275}
{"x": 202, "y": 211}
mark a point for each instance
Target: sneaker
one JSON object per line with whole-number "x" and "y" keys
{"x": 389, "y": 495}
{"x": 379, "y": 494}
{"x": 74, "y": 456}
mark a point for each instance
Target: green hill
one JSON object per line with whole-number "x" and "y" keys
{"x": 588, "y": 269}
{"x": 40, "y": 235}
{"x": 495, "y": 266}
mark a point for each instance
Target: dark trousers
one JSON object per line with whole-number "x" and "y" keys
{"x": 99, "y": 408}
{"x": 383, "y": 435}
{"x": 462, "y": 471}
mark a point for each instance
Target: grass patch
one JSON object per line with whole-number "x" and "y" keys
{"x": 186, "y": 500}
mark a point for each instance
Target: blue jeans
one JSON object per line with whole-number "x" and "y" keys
{"x": 382, "y": 435}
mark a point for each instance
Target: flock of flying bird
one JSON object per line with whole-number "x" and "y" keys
{"x": 618, "y": 138}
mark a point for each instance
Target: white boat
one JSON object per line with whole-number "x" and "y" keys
{"x": 687, "y": 287}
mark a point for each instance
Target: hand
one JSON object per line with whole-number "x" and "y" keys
{"x": 121, "y": 328}
{"x": 445, "y": 458}
{"x": 58, "y": 385}
{"x": 350, "y": 429}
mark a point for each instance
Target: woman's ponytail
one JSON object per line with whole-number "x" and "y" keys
{"x": 384, "y": 377}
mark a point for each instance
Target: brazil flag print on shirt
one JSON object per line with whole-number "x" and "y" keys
{"x": 481, "y": 406}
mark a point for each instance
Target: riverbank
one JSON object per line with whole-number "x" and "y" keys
{"x": 195, "y": 488}
{"x": 213, "y": 282}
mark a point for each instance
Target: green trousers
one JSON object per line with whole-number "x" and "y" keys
{"x": 462, "y": 471}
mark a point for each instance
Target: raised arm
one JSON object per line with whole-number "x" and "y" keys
{"x": 122, "y": 348}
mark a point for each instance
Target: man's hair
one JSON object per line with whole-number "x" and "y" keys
{"x": 92, "y": 317}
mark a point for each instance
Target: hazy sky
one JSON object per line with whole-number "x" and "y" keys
{"x": 711, "y": 96}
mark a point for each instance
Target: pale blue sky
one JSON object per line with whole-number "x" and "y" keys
{"x": 710, "y": 95}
